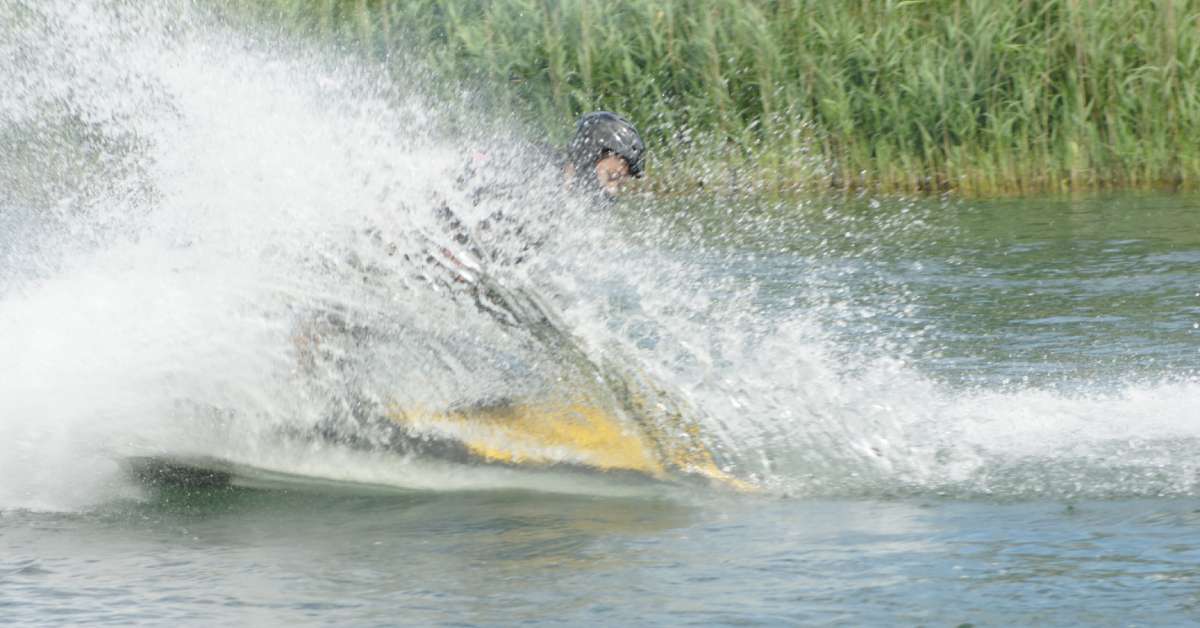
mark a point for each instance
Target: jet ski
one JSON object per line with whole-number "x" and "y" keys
{"x": 625, "y": 423}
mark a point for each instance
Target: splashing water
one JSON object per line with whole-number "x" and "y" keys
{"x": 186, "y": 215}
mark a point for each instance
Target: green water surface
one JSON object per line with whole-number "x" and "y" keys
{"x": 1079, "y": 297}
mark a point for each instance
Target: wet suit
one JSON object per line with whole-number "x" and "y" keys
{"x": 503, "y": 239}
{"x": 465, "y": 253}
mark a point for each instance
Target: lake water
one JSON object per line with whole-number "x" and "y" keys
{"x": 1058, "y": 333}
{"x": 916, "y": 412}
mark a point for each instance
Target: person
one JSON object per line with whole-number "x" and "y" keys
{"x": 605, "y": 153}
{"x": 459, "y": 258}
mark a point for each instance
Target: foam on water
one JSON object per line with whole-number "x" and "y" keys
{"x": 178, "y": 201}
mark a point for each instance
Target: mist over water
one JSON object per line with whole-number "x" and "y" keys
{"x": 177, "y": 201}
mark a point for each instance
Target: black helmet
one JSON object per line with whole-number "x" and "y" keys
{"x": 602, "y": 131}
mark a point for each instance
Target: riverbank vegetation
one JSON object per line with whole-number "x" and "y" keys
{"x": 976, "y": 97}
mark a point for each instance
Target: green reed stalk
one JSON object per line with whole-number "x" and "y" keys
{"x": 975, "y": 96}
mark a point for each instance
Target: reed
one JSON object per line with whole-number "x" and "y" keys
{"x": 973, "y": 96}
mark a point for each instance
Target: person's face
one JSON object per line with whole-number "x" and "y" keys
{"x": 612, "y": 172}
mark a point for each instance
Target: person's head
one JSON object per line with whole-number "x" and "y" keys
{"x": 605, "y": 152}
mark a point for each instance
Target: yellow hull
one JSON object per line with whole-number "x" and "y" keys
{"x": 571, "y": 433}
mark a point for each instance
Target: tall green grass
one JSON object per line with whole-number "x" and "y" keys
{"x": 982, "y": 97}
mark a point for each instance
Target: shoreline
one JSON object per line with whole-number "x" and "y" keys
{"x": 975, "y": 99}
